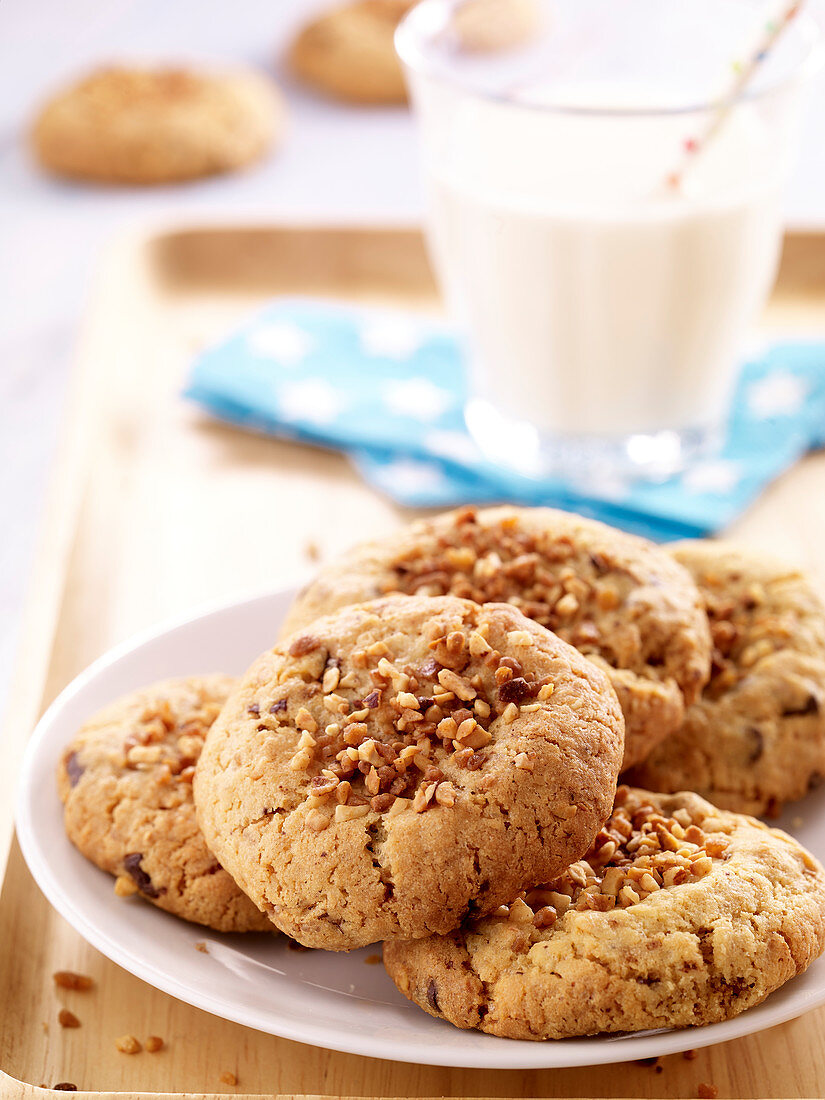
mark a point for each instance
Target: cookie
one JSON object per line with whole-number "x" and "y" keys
{"x": 126, "y": 784}
{"x": 488, "y": 26}
{"x": 620, "y": 600}
{"x": 349, "y": 52}
{"x": 756, "y": 737}
{"x": 150, "y": 126}
{"x": 402, "y": 763}
{"x": 680, "y": 915}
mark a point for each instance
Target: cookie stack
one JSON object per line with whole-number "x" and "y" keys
{"x": 430, "y": 758}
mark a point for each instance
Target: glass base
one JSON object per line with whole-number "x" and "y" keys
{"x": 523, "y": 449}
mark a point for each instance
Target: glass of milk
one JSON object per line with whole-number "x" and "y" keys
{"x": 604, "y": 213}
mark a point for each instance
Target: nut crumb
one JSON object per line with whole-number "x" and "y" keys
{"x": 67, "y": 1019}
{"x": 372, "y": 960}
{"x": 708, "y": 1092}
{"x": 128, "y": 1044}
{"x": 201, "y": 946}
{"x": 64, "y": 1086}
{"x": 229, "y": 1078}
{"x": 689, "y": 1055}
{"x": 68, "y": 979}
{"x": 153, "y": 1044}
{"x": 125, "y": 886}
{"x": 312, "y": 551}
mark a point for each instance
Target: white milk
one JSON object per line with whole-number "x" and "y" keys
{"x": 592, "y": 298}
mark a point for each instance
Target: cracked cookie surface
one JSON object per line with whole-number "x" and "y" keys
{"x": 126, "y": 785}
{"x": 400, "y": 763}
{"x": 618, "y": 599}
{"x": 679, "y": 915}
{"x": 151, "y": 126}
{"x": 756, "y": 737}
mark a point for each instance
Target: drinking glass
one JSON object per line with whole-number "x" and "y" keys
{"x": 604, "y": 214}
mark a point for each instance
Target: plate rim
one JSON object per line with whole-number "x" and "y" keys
{"x": 490, "y": 1052}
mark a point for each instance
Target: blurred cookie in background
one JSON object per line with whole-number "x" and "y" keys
{"x": 349, "y": 53}
{"x": 482, "y": 26}
{"x": 162, "y": 125}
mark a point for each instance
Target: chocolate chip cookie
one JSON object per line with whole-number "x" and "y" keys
{"x": 349, "y": 53}
{"x": 400, "y": 764}
{"x": 756, "y": 737}
{"x": 679, "y": 915}
{"x": 620, "y": 600}
{"x": 126, "y": 783}
{"x": 151, "y": 126}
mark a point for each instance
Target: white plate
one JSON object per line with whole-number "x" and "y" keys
{"x": 329, "y": 1000}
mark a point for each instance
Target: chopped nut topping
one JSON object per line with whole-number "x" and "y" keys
{"x": 153, "y": 1044}
{"x": 303, "y": 645}
{"x": 634, "y": 856}
{"x": 381, "y": 732}
{"x": 68, "y": 979}
{"x": 349, "y": 813}
{"x": 128, "y": 1044}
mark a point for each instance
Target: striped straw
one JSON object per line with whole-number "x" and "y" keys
{"x": 743, "y": 72}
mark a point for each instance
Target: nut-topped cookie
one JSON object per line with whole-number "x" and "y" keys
{"x": 756, "y": 737}
{"x": 152, "y": 126}
{"x": 679, "y": 915}
{"x": 126, "y": 784}
{"x": 618, "y": 599}
{"x": 402, "y": 763}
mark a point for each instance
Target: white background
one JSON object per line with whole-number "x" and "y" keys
{"x": 337, "y": 164}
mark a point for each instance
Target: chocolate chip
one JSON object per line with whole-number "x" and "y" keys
{"x": 74, "y": 769}
{"x": 757, "y": 746}
{"x": 810, "y": 706}
{"x": 599, "y": 562}
{"x": 303, "y": 645}
{"x": 278, "y": 707}
{"x": 432, "y": 996}
{"x": 131, "y": 863}
{"x": 253, "y": 708}
{"x": 513, "y": 691}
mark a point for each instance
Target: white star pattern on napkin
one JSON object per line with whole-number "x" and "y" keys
{"x": 390, "y": 338}
{"x": 313, "y": 401}
{"x": 778, "y": 394}
{"x": 717, "y": 477}
{"x": 406, "y": 476}
{"x": 417, "y": 398}
{"x": 454, "y": 445}
{"x": 286, "y": 343}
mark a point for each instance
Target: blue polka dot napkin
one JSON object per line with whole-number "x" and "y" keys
{"x": 388, "y": 389}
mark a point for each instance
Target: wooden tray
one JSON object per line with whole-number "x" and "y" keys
{"x": 155, "y": 508}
